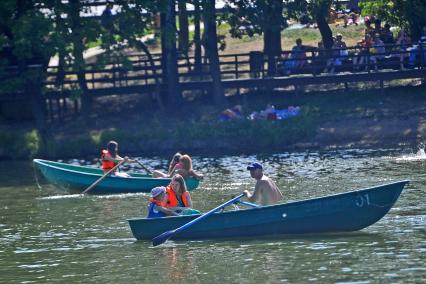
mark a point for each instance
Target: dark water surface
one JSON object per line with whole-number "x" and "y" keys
{"x": 48, "y": 236}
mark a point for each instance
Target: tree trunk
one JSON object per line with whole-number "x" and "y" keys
{"x": 79, "y": 64}
{"x": 197, "y": 37}
{"x": 183, "y": 27}
{"x": 272, "y": 34}
{"x": 322, "y": 12}
{"x": 184, "y": 32}
{"x": 157, "y": 80}
{"x": 164, "y": 50}
{"x": 38, "y": 103}
{"x": 326, "y": 33}
{"x": 33, "y": 78}
{"x": 173, "y": 88}
{"x": 212, "y": 51}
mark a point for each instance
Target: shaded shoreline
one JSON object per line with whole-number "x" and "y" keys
{"x": 328, "y": 120}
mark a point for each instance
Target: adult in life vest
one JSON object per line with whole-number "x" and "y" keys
{"x": 178, "y": 197}
{"x": 110, "y": 158}
{"x": 156, "y": 206}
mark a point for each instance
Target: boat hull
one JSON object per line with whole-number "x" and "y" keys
{"x": 343, "y": 212}
{"x": 77, "y": 178}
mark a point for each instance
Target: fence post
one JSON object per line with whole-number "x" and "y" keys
{"x": 237, "y": 72}
{"x": 50, "y": 106}
{"x": 236, "y": 66}
{"x": 93, "y": 78}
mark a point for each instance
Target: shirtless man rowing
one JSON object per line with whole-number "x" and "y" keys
{"x": 266, "y": 191}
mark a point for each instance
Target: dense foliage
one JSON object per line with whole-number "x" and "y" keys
{"x": 408, "y": 14}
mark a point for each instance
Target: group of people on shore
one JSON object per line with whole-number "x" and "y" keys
{"x": 174, "y": 199}
{"x": 378, "y": 44}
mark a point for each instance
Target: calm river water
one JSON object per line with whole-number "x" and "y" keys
{"x": 48, "y": 236}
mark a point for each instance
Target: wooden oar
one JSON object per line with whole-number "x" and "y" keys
{"x": 158, "y": 240}
{"x": 143, "y": 167}
{"x": 104, "y": 176}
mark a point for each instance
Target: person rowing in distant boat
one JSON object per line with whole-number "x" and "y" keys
{"x": 110, "y": 158}
{"x": 265, "y": 191}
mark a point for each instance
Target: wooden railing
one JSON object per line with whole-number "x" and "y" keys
{"x": 247, "y": 70}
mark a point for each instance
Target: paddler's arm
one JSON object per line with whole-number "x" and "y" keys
{"x": 253, "y": 197}
{"x": 167, "y": 211}
{"x": 192, "y": 173}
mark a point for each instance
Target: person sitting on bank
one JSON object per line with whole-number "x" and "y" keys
{"x": 174, "y": 165}
{"x": 297, "y": 57}
{"x": 186, "y": 171}
{"x": 178, "y": 197}
{"x": 110, "y": 158}
{"x": 156, "y": 207}
{"x": 266, "y": 191}
{"x": 340, "y": 53}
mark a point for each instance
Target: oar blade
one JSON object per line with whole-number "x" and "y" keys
{"x": 158, "y": 240}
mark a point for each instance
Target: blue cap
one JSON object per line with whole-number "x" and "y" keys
{"x": 254, "y": 166}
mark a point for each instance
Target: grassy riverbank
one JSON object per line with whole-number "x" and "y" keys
{"x": 336, "y": 119}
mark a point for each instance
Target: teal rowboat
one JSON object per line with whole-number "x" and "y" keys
{"x": 342, "y": 212}
{"x": 77, "y": 178}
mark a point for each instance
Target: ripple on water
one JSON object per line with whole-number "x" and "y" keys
{"x": 88, "y": 233}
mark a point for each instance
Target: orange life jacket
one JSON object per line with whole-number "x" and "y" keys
{"x": 156, "y": 202}
{"x": 172, "y": 200}
{"x": 106, "y": 164}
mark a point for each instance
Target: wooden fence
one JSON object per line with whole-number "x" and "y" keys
{"x": 238, "y": 71}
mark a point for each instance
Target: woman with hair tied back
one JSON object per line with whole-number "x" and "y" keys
{"x": 180, "y": 164}
{"x": 174, "y": 164}
{"x": 187, "y": 171}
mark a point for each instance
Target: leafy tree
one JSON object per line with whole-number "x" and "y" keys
{"x": 24, "y": 42}
{"x": 318, "y": 10}
{"x": 250, "y": 17}
{"x": 408, "y": 14}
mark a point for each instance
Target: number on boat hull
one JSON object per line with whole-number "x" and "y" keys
{"x": 362, "y": 199}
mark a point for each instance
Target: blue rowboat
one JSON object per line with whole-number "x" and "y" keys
{"x": 342, "y": 212}
{"x": 78, "y": 178}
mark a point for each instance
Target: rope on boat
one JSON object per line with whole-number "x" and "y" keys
{"x": 36, "y": 177}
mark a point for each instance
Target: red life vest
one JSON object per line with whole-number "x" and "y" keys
{"x": 172, "y": 200}
{"x": 156, "y": 202}
{"x": 106, "y": 164}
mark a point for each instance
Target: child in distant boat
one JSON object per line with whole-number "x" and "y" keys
{"x": 110, "y": 158}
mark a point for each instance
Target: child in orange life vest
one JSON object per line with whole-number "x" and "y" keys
{"x": 178, "y": 197}
{"x": 110, "y": 159}
{"x": 156, "y": 207}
